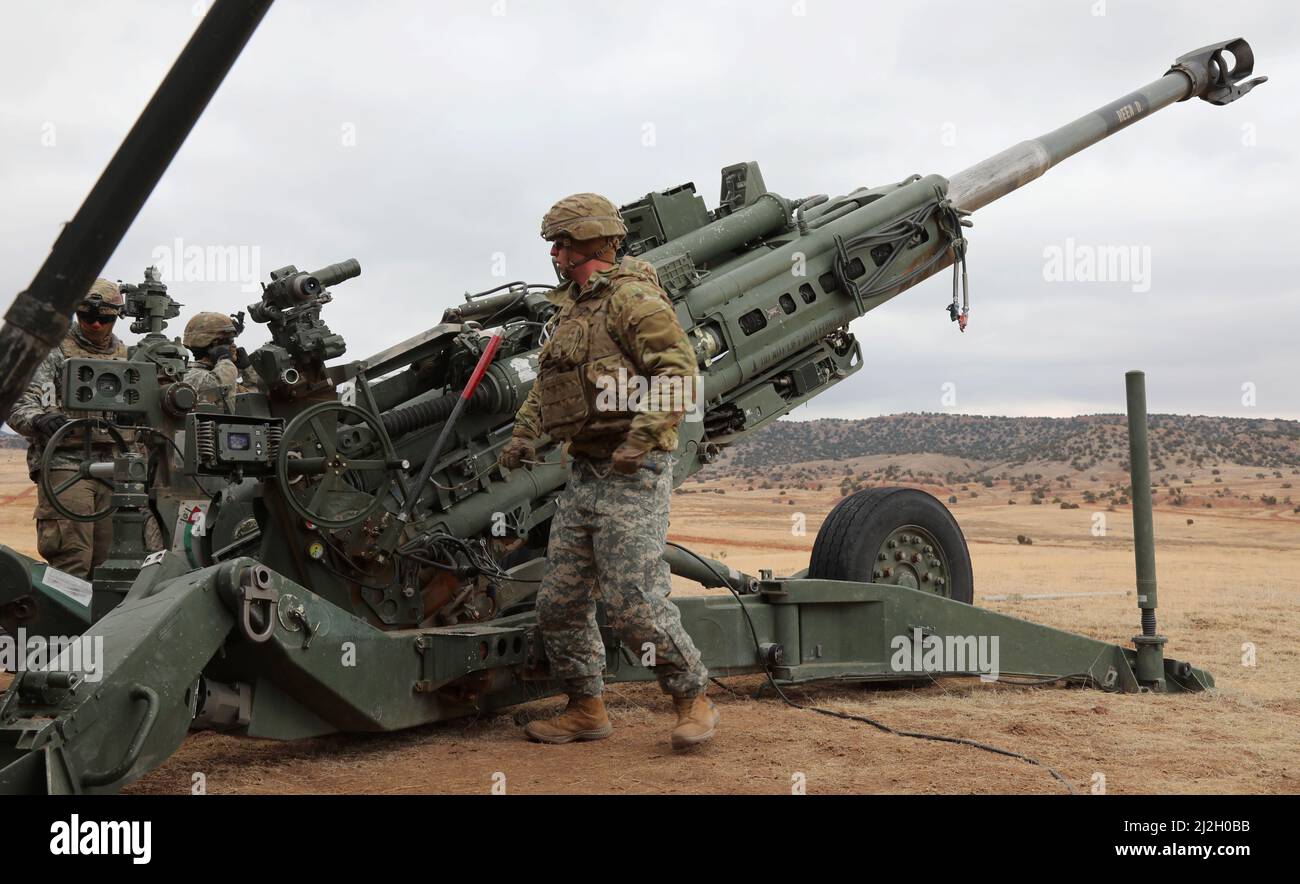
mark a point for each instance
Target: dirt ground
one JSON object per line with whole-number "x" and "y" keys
{"x": 1228, "y": 585}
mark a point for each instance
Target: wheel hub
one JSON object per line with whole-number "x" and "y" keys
{"x": 911, "y": 557}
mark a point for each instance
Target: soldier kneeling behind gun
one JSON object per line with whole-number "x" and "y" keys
{"x": 607, "y": 536}
{"x": 76, "y": 548}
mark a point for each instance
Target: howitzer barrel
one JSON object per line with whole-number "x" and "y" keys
{"x": 1203, "y": 73}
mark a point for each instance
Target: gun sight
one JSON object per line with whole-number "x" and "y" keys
{"x": 291, "y": 287}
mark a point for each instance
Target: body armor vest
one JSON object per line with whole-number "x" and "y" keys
{"x": 579, "y": 361}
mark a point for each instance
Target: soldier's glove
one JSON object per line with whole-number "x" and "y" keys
{"x": 627, "y": 458}
{"x": 220, "y": 352}
{"x": 47, "y": 424}
{"x": 241, "y": 359}
{"x": 516, "y": 451}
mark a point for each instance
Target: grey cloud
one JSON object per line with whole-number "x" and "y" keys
{"x": 469, "y": 124}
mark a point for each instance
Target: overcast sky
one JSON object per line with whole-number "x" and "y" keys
{"x": 426, "y": 140}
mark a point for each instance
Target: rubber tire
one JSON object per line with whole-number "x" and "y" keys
{"x": 851, "y": 536}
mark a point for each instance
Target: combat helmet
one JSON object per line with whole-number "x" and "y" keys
{"x": 204, "y": 329}
{"x": 583, "y": 216}
{"x": 104, "y": 297}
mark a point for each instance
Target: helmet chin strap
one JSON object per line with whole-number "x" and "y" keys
{"x": 565, "y": 271}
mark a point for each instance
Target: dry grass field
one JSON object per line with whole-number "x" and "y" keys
{"x": 1227, "y": 581}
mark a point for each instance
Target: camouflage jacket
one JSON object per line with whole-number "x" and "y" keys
{"x": 214, "y": 385}
{"x": 641, "y": 321}
{"x": 44, "y": 395}
{"x": 250, "y": 381}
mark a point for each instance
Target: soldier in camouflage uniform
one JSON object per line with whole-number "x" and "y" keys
{"x": 215, "y": 374}
{"x": 75, "y": 547}
{"x": 607, "y": 536}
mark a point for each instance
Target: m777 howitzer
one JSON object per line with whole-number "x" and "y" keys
{"x": 345, "y": 554}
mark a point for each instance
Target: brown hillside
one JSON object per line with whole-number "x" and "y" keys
{"x": 1005, "y": 443}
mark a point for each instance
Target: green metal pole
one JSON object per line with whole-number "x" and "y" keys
{"x": 1150, "y": 646}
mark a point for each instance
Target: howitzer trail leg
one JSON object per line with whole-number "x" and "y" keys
{"x": 125, "y": 707}
{"x": 28, "y": 603}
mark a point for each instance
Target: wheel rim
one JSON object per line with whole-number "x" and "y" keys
{"x": 911, "y": 556}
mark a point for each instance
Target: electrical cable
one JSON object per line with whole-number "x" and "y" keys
{"x": 918, "y": 735}
{"x": 339, "y": 574}
{"x": 181, "y": 454}
{"x": 454, "y": 569}
{"x": 324, "y": 536}
{"x": 162, "y": 526}
{"x": 486, "y": 323}
{"x": 506, "y": 285}
{"x": 481, "y": 561}
{"x": 897, "y": 237}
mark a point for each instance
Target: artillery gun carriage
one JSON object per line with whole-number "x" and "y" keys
{"x": 345, "y": 554}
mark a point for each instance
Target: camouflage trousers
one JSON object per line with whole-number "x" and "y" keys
{"x": 607, "y": 542}
{"x": 77, "y": 548}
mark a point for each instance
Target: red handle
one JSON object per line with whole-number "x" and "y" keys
{"x": 481, "y": 369}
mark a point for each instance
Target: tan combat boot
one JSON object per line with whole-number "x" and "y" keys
{"x": 583, "y": 719}
{"x": 697, "y": 718}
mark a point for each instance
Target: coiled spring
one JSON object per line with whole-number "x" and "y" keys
{"x": 274, "y": 433}
{"x": 205, "y": 440}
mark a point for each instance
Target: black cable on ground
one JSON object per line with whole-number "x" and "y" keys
{"x": 917, "y": 735}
